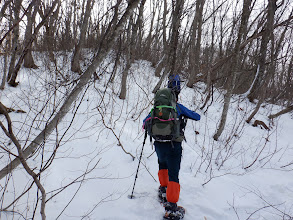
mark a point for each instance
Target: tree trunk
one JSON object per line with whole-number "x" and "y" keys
{"x": 157, "y": 87}
{"x": 138, "y": 32}
{"x": 195, "y": 44}
{"x": 128, "y": 61}
{"x": 256, "y": 89}
{"x": 161, "y": 64}
{"x": 67, "y": 38}
{"x": 124, "y": 80}
{"x": 131, "y": 48}
{"x": 176, "y": 23}
{"x": 3, "y": 9}
{"x": 75, "y": 22}
{"x": 117, "y": 61}
{"x": 138, "y": 49}
{"x": 16, "y": 11}
{"x": 75, "y": 66}
{"x": 227, "y": 98}
{"x": 28, "y": 59}
{"x": 255, "y": 110}
{"x": 149, "y": 39}
{"x": 72, "y": 96}
{"x": 50, "y": 30}
{"x": 2, "y": 86}
{"x": 262, "y": 80}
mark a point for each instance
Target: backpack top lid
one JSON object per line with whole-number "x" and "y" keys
{"x": 174, "y": 83}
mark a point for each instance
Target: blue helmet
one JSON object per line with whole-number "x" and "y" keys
{"x": 174, "y": 83}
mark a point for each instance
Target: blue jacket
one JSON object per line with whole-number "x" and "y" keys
{"x": 182, "y": 110}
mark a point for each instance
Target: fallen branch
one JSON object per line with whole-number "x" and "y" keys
{"x": 261, "y": 124}
{"x": 8, "y": 110}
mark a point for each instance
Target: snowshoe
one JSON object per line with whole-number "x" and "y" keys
{"x": 162, "y": 194}
{"x": 174, "y": 212}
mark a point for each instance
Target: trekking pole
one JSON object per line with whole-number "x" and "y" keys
{"x": 145, "y": 136}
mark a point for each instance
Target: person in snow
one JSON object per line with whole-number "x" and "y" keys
{"x": 169, "y": 154}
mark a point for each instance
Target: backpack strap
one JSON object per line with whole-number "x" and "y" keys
{"x": 164, "y": 106}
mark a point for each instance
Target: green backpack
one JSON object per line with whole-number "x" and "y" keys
{"x": 163, "y": 124}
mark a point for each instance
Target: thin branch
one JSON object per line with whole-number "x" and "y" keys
{"x": 267, "y": 140}
{"x": 118, "y": 139}
{"x": 21, "y": 157}
{"x": 22, "y": 194}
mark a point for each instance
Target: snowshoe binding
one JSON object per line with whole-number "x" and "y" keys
{"x": 174, "y": 212}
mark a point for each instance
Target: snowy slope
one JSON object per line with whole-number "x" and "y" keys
{"x": 214, "y": 182}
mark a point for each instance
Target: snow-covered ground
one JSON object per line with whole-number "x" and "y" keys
{"x": 244, "y": 175}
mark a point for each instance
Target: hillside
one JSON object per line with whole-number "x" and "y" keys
{"x": 88, "y": 158}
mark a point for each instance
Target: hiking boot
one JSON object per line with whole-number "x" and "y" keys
{"x": 162, "y": 194}
{"x": 174, "y": 212}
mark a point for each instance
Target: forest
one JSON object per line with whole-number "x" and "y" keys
{"x": 89, "y": 51}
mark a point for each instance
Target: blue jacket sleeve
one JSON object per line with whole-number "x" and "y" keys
{"x": 144, "y": 120}
{"x": 182, "y": 110}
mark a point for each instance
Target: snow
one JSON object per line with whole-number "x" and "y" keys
{"x": 244, "y": 175}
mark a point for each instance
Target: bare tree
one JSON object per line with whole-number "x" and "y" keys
{"x": 5, "y": 60}
{"x": 75, "y": 66}
{"x": 15, "y": 43}
{"x": 66, "y": 38}
{"x": 234, "y": 64}
{"x": 195, "y": 44}
{"x": 263, "y": 77}
{"x": 128, "y": 61}
{"x": 50, "y": 28}
{"x": 15, "y": 21}
{"x": 260, "y": 79}
{"x": 13, "y": 75}
{"x": 153, "y": 37}
{"x": 177, "y": 9}
{"x": 131, "y": 41}
{"x": 3, "y": 9}
{"x": 31, "y": 15}
{"x": 161, "y": 62}
{"x": 138, "y": 31}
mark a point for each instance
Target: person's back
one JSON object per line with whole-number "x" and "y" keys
{"x": 169, "y": 152}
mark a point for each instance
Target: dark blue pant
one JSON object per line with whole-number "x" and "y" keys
{"x": 169, "y": 157}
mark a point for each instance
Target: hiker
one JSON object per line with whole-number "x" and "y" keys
{"x": 169, "y": 149}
